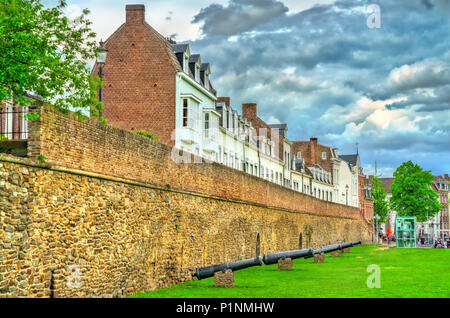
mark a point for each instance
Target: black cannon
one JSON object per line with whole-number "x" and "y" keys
{"x": 273, "y": 258}
{"x": 334, "y": 247}
{"x": 209, "y": 271}
{"x": 325, "y": 250}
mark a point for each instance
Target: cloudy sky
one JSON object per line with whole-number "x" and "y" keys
{"x": 324, "y": 67}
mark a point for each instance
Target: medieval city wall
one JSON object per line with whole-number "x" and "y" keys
{"x": 99, "y": 209}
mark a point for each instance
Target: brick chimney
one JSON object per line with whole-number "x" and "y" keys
{"x": 313, "y": 145}
{"x": 225, "y": 100}
{"x": 249, "y": 110}
{"x": 135, "y": 13}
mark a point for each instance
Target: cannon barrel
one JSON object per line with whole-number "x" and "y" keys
{"x": 332, "y": 248}
{"x": 273, "y": 258}
{"x": 347, "y": 245}
{"x": 209, "y": 271}
{"x": 325, "y": 249}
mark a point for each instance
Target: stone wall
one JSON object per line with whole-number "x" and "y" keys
{"x": 125, "y": 236}
{"x": 91, "y": 146}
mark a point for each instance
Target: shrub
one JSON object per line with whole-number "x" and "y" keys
{"x": 146, "y": 134}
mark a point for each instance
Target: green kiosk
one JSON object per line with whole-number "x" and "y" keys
{"x": 405, "y": 232}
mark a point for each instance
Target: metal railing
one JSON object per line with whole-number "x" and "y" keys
{"x": 13, "y": 123}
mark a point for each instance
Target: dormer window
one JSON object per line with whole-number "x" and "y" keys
{"x": 186, "y": 64}
{"x": 197, "y": 73}
{"x": 206, "y": 81}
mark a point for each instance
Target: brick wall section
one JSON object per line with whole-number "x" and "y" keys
{"x": 127, "y": 238}
{"x": 312, "y": 153}
{"x": 90, "y": 146}
{"x": 140, "y": 78}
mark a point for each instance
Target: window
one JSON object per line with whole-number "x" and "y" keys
{"x": 186, "y": 64}
{"x": 185, "y": 112}
{"x": 207, "y": 125}
{"x": 299, "y": 155}
{"x": 197, "y": 72}
{"x": 324, "y": 155}
{"x": 228, "y": 118}
{"x": 206, "y": 81}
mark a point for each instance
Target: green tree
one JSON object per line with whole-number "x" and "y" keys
{"x": 412, "y": 194}
{"x": 380, "y": 204}
{"x": 42, "y": 52}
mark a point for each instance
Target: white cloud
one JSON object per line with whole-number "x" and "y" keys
{"x": 422, "y": 74}
{"x": 296, "y": 6}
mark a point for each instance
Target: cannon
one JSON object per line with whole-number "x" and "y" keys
{"x": 269, "y": 259}
{"x": 334, "y": 247}
{"x": 205, "y": 272}
{"x": 325, "y": 250}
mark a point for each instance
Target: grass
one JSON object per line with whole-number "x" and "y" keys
{"x": 405, "y": 273}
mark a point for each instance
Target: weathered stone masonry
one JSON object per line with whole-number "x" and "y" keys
{"x": 130, "y": 235}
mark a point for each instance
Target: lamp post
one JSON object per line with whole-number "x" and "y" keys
{"x": 101, "y": 61}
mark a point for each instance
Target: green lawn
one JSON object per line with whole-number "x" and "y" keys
{"x": 418, "y": 273}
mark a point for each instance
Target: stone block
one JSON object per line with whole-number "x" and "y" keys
{"x": 285, "y": 264}
{"x": 319, "y": 258}
{"x": 224, "y": 279}
{"x": 335, "y": 253}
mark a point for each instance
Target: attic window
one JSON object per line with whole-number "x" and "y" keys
{"x": 186, "y": 64}
{"x": 197, "y": 73}
{"x": 324, "y": 155}
{"x": 206, "y": 80}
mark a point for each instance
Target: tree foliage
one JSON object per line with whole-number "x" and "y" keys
{"x": 412, "y": 194}
{"x": 380, "y": 204}
{"x": 44, "y": 53}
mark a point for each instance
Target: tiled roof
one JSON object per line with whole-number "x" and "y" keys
{"x": 281, "y": 128}
{"x": 180, "y": 48}
{"x": 194, "y": 58}
{"x": 351, "y": 159}
{"x": 204, "y": 67}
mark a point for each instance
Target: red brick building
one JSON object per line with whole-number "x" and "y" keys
{"x": 140, "y": 75}
{"x": 312, "y": 152}
{"x": 365, "y": 198}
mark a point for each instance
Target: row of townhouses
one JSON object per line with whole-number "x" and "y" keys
{"x": 157, "y": 85}
{"x": 154, "y": 84}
